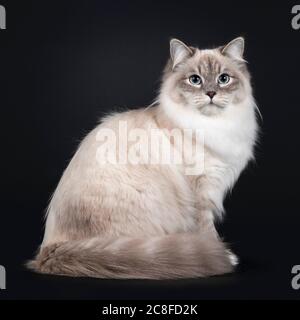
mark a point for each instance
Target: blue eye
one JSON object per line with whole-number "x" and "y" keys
{"x": 223, "y": 78}
{"x": 195, "y": 80}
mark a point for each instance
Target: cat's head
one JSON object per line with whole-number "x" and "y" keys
{"x": 208, "y": 81}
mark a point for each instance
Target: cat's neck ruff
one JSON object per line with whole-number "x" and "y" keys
{"x": 230, "y": 135}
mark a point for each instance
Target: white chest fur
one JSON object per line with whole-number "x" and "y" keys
{"x": 230, "y": 136}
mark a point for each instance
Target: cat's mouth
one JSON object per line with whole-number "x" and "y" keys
{"x": 211, "y": 109}
{"x": 212, "y": 104}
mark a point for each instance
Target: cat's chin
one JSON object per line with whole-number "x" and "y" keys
{"x": 211, "y": 109}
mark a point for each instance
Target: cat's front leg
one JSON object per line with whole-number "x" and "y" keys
{"x": 207, "y": 207}
{"x": 209, "y": 202}
{"x": 210, "y": 194}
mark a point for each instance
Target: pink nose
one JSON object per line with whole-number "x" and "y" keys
{"x": 211, "y": 94}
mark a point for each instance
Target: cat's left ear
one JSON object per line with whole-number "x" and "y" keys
{"x": 234, "y": 49}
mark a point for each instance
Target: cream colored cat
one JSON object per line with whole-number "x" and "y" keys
{"x": 155, "y": 221}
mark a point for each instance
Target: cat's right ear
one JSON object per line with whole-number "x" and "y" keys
{"x": 179, "y": 51}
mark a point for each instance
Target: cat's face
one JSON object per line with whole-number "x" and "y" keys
{"x": 207, "y": 80}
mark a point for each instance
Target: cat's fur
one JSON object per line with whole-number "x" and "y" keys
{"x": 153, "y": 221}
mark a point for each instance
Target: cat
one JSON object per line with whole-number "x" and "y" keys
{"x": 155, "y": 221}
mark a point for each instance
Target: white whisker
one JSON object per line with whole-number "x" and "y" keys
{"x": 258, "y": 111}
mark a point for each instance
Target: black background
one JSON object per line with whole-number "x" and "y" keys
{"x": 65, "y": 64}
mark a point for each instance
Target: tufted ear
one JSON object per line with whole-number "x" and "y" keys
{"x": 179, "y": 51}
{"x": 234, "y": 49}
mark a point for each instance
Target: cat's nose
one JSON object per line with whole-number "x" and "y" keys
{"x": 211, "y": 94}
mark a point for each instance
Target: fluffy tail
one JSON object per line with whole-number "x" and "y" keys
{"x": 172, "y": 256}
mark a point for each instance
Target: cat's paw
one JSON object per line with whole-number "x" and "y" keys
{"x": 234, "y": 260}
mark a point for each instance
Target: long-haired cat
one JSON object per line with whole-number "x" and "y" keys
{"x": 121, "y": 220}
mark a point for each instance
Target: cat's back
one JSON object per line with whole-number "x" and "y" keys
{"x": 113, "y": 129}
{"x": 97, "y": 157}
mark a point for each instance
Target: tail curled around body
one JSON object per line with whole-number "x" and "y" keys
{"x": 185, "y": 255}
